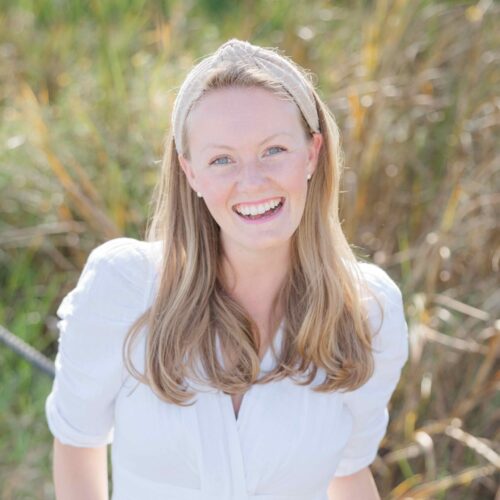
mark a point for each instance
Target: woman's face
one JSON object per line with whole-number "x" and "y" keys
{"x": 249, "y": 153}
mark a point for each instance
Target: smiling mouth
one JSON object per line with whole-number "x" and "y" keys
{"x": 262, "y": 215}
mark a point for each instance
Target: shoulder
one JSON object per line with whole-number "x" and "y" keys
{"x": 125, "y": 258}
{"x": 115, "y": 279}
{"x": 383, "y": 301}
{"x": 121, "y": 251}
{"x": 372, "y": 281}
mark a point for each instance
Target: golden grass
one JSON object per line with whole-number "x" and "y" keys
{"x": 85, "y": 100}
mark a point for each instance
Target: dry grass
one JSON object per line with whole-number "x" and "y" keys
{"x": 85, "y": 100}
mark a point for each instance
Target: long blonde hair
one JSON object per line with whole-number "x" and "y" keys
{"x": 325, "y": 326}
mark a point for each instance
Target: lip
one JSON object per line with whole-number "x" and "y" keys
{"x": 265, "y": 220}
{"x": 257, "y": 202}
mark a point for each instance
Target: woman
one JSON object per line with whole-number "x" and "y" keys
{"x": 229, "y": 355}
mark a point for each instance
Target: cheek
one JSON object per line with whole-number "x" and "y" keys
{"x": 215, "y": 202}
{"x": 215, "y": 195}
{"x": 297, "y": 182}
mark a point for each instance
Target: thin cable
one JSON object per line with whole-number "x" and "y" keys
{"x": 29, "y": 353}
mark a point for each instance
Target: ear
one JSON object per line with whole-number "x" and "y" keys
{"x": 314, "y": 149}
{"x": 188, "y": 171}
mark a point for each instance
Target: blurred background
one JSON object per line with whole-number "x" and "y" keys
{"x": 86, "y": 91}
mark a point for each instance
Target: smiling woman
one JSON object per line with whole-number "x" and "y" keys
{"x": 242, "y": 351}
{"x": 257, "y": 169}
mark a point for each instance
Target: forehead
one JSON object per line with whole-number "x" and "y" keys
{"x": 244, "y": 112}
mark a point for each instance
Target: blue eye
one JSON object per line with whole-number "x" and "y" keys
{"x": 276, "y": 147}
{"x": 217, "y": 162}
{"x": 217, "y": 159}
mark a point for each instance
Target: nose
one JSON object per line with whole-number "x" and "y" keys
{"x": 252, "y": 176}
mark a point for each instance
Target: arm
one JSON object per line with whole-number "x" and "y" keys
{"x": 80, "y": 473}
{"x": 368, "y": 404}
{"x": 94, "y": 319}
{"x": 358, "y": 485}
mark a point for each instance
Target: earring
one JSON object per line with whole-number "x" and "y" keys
{"x": 308, "y": 176}
{"x": 199, "y": 194}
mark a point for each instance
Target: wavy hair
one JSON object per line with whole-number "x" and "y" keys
{"x": 324, "y": 324}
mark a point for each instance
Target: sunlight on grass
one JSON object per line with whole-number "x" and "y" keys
{"x": 86, "y": 94}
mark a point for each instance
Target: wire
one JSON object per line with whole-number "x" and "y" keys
{"x": 29, "y": 353}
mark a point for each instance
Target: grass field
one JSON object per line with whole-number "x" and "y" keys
{"x": 85, "y": 98}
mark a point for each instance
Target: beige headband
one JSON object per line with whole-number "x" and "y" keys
{"x": 234, "y": 50}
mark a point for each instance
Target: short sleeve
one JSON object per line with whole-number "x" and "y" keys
{"x": 94, "y": 318}
{"x": 368, "y": 403}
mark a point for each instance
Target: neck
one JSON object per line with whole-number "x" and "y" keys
{"x": 253, "y": 279}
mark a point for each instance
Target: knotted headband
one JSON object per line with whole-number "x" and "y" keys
{"x": 234, "y": 50}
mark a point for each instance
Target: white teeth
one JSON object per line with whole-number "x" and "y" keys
{"x": 258, "y": 209}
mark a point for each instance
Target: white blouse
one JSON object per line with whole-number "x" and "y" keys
{"x": 287, "y": 442}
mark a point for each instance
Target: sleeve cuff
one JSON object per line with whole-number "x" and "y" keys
{"x": 68, "y": 435}
{"x": 350, "y": 466}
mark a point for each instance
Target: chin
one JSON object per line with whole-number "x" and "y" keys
{"x": 264, "y": 244}
{"x": 251, "y": 240}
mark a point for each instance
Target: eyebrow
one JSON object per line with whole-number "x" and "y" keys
{"x": 260, "y": 143}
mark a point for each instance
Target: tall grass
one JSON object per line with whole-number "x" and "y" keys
{"x": 85, "y": 100}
